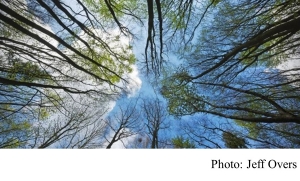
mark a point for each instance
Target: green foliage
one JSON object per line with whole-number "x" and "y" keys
{"x": 239, "y": 22}
{"x": 26, "y": 72}
{"x": 180, "y": 142}
{"x": 81, "y": 59}
{"x": 119, "y": 7}
{"x": 272, "y": 135}
{"x": 177, "y": 19}
{"x": 14, "y": 131}
{"x": 232, "y": 65}
{"x": 266, "y": 58}
{"x": 252, "y": 128}
{"x": 183, "y": 99}
{"x": 215, "y": 2}
{"x": 117, "y": 63}
{"x": 43, "y": 113}
{"x": 233, "y": 141}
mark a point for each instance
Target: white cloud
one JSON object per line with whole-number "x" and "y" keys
{"x": 134, "y": 82}
{"x": 124, "y": 142}
{"x": 290, "y": 64}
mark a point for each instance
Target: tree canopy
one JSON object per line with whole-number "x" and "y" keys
{"x": 231, "y": 66}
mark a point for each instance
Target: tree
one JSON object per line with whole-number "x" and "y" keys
{"x": 14, "y": 134}
{"x": 208, "y": 131}
{"x": 81, "y": 125}
{"x": 124, "y": 123}
{"x": 162, "y": 24}
{"x": 202, "y": 132}
{"x": 79, "y": 57}
{"x": 262, "y": 135}
{"x": 231, "y": 71}
{"x": 52, "y": 52}
{"x": 155, "y": 116}
{"x": 76, "y": 51}
{"x": 20, "y": 106}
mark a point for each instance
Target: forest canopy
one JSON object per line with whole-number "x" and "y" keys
{"x": 225, "y": 72}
